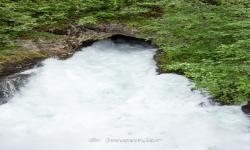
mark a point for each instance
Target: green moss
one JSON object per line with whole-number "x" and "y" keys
{"x": 87, "y": 20}
{"x": 38, "y": 35}
{"x": 207, "y": 43}
{"x": 17, "y": 54}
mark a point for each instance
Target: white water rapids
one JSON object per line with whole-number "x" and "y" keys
{"x": 108, "y": 96}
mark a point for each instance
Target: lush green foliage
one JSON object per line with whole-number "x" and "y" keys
{"x": 20, "y": 16}
{"x": 206, "y": 40}
{"x": 208, "y": 43}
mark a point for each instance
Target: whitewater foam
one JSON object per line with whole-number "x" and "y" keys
{"x": 108, "y": 96}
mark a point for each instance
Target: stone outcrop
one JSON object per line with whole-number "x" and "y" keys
{"x": 74, "y": 38}
{"x": 69, "y": 41}
{"x": 246, "y": 108}
{"x": 9, "y": 68}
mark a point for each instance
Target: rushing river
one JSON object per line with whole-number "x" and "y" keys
{"x": 108, "y": 96}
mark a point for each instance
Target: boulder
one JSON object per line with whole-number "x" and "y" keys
{"x": 246, "y": 108}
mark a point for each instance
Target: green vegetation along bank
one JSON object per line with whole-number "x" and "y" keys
{"x": 205, "y": 40}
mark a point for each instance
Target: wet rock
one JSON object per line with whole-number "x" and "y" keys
{"x": 203, "y": 104}
{"x": 10, "y": 85}
{"x": 64, "y": 46}
{"x": 246, "y": 108}
{"x": 10, "y": 68}
{"x": 76, "y": 37}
